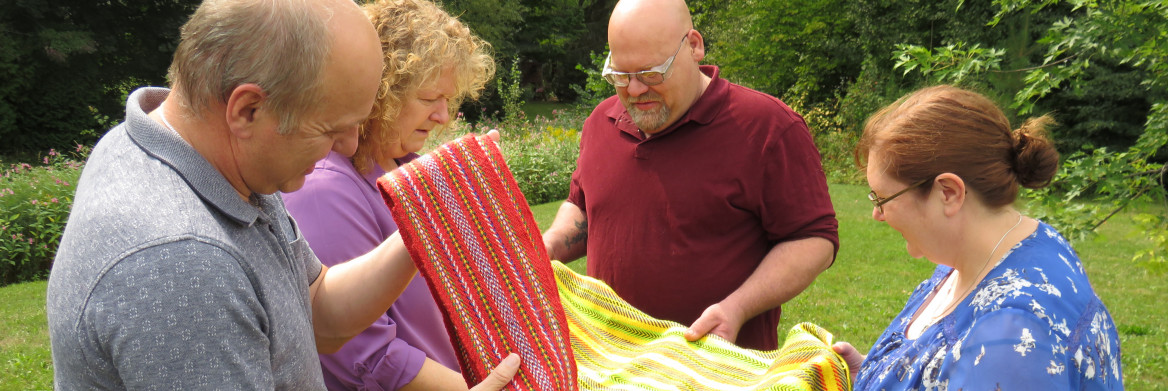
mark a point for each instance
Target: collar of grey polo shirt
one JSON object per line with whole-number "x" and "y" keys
{"x": 169, "y": 148}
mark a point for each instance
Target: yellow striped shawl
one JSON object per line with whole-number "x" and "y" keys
{"x": 618, "y": 347}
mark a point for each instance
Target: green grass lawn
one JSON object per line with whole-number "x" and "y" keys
{"x": 25, "y": 361}
{"x": 854, "y": 299}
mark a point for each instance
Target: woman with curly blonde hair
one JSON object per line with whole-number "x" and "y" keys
{"x": 432, "y": 63}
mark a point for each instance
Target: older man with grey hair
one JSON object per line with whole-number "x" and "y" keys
{"x": 179, "y": 267}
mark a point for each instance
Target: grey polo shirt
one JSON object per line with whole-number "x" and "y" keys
{"x": 167, "y": 279}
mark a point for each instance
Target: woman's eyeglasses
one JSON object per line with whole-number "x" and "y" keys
{"x": 879, "y": 202}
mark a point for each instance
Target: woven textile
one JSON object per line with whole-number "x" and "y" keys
{"x": 470, "y": 233}
{"x": 618, "y": 347}
{"x": 472, "y": 236}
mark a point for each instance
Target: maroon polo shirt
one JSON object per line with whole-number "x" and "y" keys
{"x": 678, "y": 221}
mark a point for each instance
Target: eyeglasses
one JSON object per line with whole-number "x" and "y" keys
{"x": 879, "y": 202}
{"x": 651, "y": 77}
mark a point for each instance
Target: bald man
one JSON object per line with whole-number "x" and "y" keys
{"x": 179, "y": 267}
{"x": 697, "y": 200}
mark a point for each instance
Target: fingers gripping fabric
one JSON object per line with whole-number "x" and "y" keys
{"x": 473, "y": 239}
{"x": 470, "y": 233}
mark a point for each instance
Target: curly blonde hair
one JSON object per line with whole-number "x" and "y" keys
{"x": 419, "y": 40}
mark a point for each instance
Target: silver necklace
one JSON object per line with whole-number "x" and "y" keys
{"x": 957, "y": 299}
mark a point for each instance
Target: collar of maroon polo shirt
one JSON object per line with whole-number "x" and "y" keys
{"x": 702, "y": 112}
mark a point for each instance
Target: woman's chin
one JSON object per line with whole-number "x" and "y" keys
{"x": 913, "y": 251}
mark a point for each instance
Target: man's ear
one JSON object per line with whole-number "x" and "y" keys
{"x": 242, "y": 107}
{"x": 697, "y": 45}
{"x": 952, "y": 190}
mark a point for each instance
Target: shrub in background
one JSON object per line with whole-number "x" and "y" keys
{"x": 543, "y": 162}
{"x": 595, "y": 88}
{"x": 34, "y": 205}
{"x": 540, "y": 152}
{"x": 833, "y": 137}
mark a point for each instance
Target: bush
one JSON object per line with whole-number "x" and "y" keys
{"x": 34, "y": 205}
{"x": 832, "y": 136}
{"x": 543, "y": 162}
{"x": 541, "y": 153}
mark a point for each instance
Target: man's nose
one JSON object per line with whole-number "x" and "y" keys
{"x": 636, "y": 87}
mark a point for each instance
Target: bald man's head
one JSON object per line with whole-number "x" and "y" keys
{"x": 656, "y": 35}
{"x": 655, "y": 20}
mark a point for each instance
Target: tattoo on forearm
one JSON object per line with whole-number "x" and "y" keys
{"x": 581, "y": 234}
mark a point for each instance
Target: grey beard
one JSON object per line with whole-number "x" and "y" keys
{"x": 652, "y": 120}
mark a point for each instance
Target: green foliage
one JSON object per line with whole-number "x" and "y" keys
{"x": 541, "y": 152}
{"x": 834, "y": 141}
{"x": 552, "y": 36}
{"x": 867, "y": 94}
{"x": 34, "y": 206}
{"x": 1106, "y": 108}
{"x": 512, "y": 94}
{"x": 784, "y": 48}
{"x": 555, "y": 36}
{"x": 495, "y": 21}
{"x": 542, "y": 162}
{"x": 595, "y": 88}
{"x": 65, "y": 65}
{"x": 950, "y": 63}
{"x": 1129, "y": 33}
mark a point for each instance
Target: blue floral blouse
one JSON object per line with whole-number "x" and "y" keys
{"x": 1033, "y": 323}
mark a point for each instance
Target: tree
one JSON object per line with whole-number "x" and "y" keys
{"x": 1121, "y": 33}
{"x": 783, "y": 47}
{"x": 550, "y": 37}
{"x": 66, "y": 66}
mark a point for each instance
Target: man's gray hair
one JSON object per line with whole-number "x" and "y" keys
{"x": 280, "y": 45}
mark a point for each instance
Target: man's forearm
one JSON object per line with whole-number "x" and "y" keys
{"x": 350, "y": 296}
{"x": 788, "y": 269}
{"x": 567, "y": 239}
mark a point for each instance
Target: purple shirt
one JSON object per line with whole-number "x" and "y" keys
{"x": 342, "y": 215}
{"x": 678, "y": 221}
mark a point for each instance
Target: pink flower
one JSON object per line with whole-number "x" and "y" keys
{"x": 30, "y": 240}
{"x": 54, "y": 200}
{"x": 34, "y": 202}
{"x": 46, "y": 160}
{"x": 52, "y": 152}
{"x": 78, "y": 149}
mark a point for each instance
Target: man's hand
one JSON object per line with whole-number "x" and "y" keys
{"x": 718, "y": 320}
{"x": 851, "y": 356}
{"x": 501, "y": 375}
